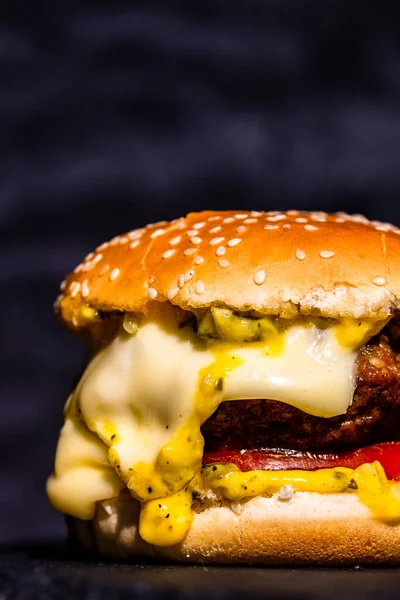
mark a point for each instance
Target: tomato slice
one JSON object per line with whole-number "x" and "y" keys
{"x": 278, "y": 459}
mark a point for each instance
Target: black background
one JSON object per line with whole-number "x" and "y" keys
{"x": 115, "y": 114}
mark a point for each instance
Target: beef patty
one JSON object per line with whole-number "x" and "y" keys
{"x": 373, "y": 417}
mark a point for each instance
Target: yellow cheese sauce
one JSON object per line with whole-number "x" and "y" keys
{"x": 179, "y": 459}
{"x": 368, "y": 481}
{"x": 166, "y": 521}
{"x": 134, "y": 419}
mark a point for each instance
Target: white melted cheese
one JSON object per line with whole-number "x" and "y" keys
{"x": 82, "y": 472}
{"x": 140, "y": 390}
{"x": 314, "y": 373}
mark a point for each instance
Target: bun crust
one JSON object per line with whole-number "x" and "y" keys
{"x": 310, "y": 529}
{"x": 275, "y": 263}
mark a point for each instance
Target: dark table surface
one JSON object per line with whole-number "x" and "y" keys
{"x": 51, "y": 570}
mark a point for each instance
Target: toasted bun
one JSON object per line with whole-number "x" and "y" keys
{"x": 275, "y": 263}
{"x": 311, "y": 528}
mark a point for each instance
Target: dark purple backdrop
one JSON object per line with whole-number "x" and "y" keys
{"x": 113, "y": 116}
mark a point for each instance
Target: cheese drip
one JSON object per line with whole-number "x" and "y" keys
{"x": 142, "y": 399}
{"x": 82, "y": 472}
{"x": 168, "y": 523}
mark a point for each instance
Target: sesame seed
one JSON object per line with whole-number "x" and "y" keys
{"x": 214, "y": 218}
{"x": 134, "y": 244}
{"x": 379, "y": 281}
{"x": 300, "y": 254}
{"x": 152, "y": 293}
{"x": 86, "y": 266}
{"x": 115, "y": 240}
{"x": 216, "y": 241}
{"x": 326, "y": 254}
{"x": 157, "y": 233}
{"x": 310, "y": 228}
{"x": 339, "y": 220}
{"x": 114, "y": 274}
{"x": 215, "y": 229}
{"x": 259, "y": 277}
{"x": 198, "y": 260}
{"x": 158, "y": 224}
{"x": 74, "y": 288}
{"x": 189, "y": 275}
{"x": 104, "y": 270}
{"x": 360, "y": 219}
{"x": 97, "y": 259}
{"x": 319, "y": 218}
{"x": 137, "y": 233}
{"x": 271, "y": 226}
{"x": 191, "y": 232}
{"x": 241, "y": 216}
{"x": 102, "y": 246}
{"x": 63, "y": 285}
{"x": 220, "y": 251}
{"x": 286, "y": 227}
{"x": 181, "y": 280}
{"x": 223, "y": 263}
{"x": 123, "y": 239}
{"x": 199, "y": 225}
{"x": 234, "y": 242}
{"x": 301, "y": 220}
{"x": 196, "y": 240}
{"x": 189, "y": 251}
{"x": 151, "y": 280}
{"x": 169, "y": 253}
{"x": 358, "y": 312}
{"x": 200, "y": 287}
{"x": 379, "y": 226}
{"x": 241, "y": 228}
{"x": 89, "y": 257}
{"x": 175, "y": 240}
{"x": 276, "y": 218}
{"x": 228, "y": 220}
{"x": 85, "y": 289}
{"x": 292, "y": 213}
{"x": 172, "y": 293}
{"x": 250, "y": 221}
{"x": 255, "y": 213}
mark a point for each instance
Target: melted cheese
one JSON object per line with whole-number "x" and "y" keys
{"x": 82, "y": 472}
{"x": 166, "y": 522}
{"x": 368, "y": 480}
{"x": 135, "y": 416}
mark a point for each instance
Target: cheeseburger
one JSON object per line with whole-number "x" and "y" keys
{"x": 241, "y": 397}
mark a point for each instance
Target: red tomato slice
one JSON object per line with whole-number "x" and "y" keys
{"x": 276, "y": 459}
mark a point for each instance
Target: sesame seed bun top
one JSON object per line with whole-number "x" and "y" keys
{"x": 285, "y": 263}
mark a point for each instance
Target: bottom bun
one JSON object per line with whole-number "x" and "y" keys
{"x": 308, "y": 529}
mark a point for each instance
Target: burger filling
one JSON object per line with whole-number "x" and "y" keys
{"x": 164, "y": 394}
{"x": 372, "y": 417}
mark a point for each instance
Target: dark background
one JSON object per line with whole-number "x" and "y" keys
{"x": 115, "y": 114}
